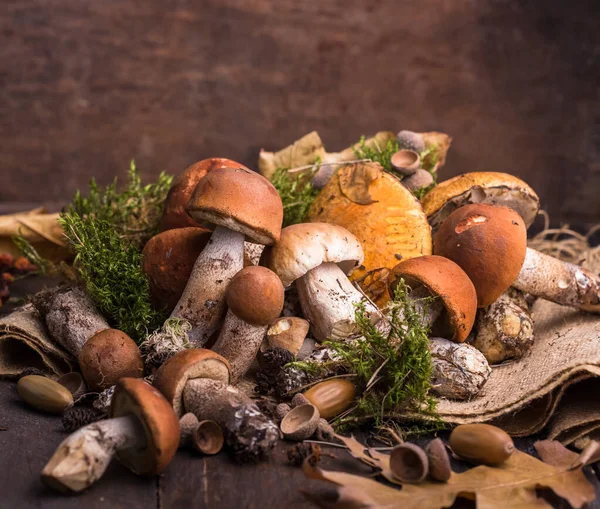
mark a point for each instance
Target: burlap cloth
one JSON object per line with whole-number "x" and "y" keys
{"x": 24, "y": 343}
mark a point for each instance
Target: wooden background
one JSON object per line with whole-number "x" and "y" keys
{"x": 87, "y": 85}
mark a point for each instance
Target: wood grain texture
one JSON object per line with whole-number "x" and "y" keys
{"x": 86, "y": 86}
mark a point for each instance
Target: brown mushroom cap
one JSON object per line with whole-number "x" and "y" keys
{"x": 489, "y": 244}
{"x": 241, "y": 200}
{"x": 171, "y": 377}
{"x": 492, "y": 188}
{"x": 107, "y": 356}
{"x": 168, "y": 260}
{"x": 135, "y": 397}
{"x": 446, "y": 280}
{"x": 255, "y": 295}
{"x": 174, "y": 213}
{"x": 303, "y": 247}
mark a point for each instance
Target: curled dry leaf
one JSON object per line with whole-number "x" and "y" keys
{"x": 355, "y": 180}
{"x": 440, "y": 144}
{"x": 512, "y": 485}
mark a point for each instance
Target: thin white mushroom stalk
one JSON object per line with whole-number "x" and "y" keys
{"x": 203, "y": 300}
{"x": 83, "y": 457}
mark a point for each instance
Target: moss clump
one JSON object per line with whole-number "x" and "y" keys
{"x": 377, "y": 154}
{"x": 297, "y": 195}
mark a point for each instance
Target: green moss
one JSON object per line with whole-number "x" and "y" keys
{"x": 297, "y": 195}
{"x": 381, "y": 155}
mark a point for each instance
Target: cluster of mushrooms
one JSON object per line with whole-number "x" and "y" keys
{"x": 240, "y": 287}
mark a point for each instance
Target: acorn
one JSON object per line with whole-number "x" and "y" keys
{"x": 44, "y": 394}
{"x": 409, "y": 463}
{"x": 331, "y": 397}
{"x": 481, "y": 444}
{"x": 439, "y": 462}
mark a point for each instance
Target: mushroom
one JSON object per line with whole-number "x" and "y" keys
{"x": 490, "y": 244}
{"x": 317, "y": 256}
{"x": 491, "y": 188}
{"x": 168, "y": 260}
{"x": 222, "y": 198}
{"x": 174, "y": 213}
{"x": 255, "y": 298}
{"x": 197, "y": 381}
{"x": 142, "y": 432}
{"x": 288, "y": 332}
{"x": 452, "y": 312}
{"x": 393, "y": 227}
{"x": 108, "y": 356}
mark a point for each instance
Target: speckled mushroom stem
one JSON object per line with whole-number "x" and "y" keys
{"x": 188, "y": 424}
{"x": 239, "y": 343}
{"x": 557, "y": 281}
{"x": 249, "y": 433}
{"x": 203, "y": 300}
{"x": 328, "y": 300}
{"x": 70, "y": 315}
{"x": 82, "y": 458}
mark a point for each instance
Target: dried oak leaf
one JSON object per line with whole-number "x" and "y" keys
{"x": 355, "y": 180}
{"x": 441, "y": 142}
{"x": 511, "y": 485}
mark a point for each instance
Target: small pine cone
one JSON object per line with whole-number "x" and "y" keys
{"x": 78, "y": 417}
{"x": 299, "y": 399}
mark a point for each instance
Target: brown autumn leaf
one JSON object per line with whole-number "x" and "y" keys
{"x": 355, "y": 180}
{"x": 441, "y": 142}
{"x": 510, "y": 485}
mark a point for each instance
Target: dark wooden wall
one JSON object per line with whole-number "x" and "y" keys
{"x": 87, "y": 85}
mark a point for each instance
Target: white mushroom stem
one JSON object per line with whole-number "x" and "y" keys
{"x": 561, "y": 282}
{"x": 203, "y": 300}
{"x": 328, "y": 300}
{"x": 239, "y": 343}
{"x": 82, "y": 458}
{"x": 247, "y": 430}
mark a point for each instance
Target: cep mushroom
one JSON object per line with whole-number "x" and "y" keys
{"x": 317, "y": 256}
{"x": 221, "y": 198}
{"x": 254, "y": 298}
{"x": 142, "y": 432}
{"x": 490, "y": 244}
{"x": 197, "y": 381}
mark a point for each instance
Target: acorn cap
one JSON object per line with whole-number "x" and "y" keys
{"x": 168, "y": 260}
{"x": 302, "y": 247}
{"x": 486, "y": 187}
{"x": 171, "y": 377}
{"x": 489, "y": 244}
{"x": 255, "y": 295}
{"x": 135, "y": 397}
{"x": 392, "y": 228}
{"x": 406, "y": 161}
{"x": 241, "y": 200}
{"x": 446, "y": 280}
{"x": 108, "y": 356}
{"x": 174, "y": 213}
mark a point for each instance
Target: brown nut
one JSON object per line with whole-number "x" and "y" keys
{"x": 331, "y": 397}
{"x": 481, "y": 444}
{"x": 44, "y": 394}
{"x": 439, "y": 462}
{"x": 409, "y": 463}
{"x": 300, "y": 423}
{"x": 108, "y": 356}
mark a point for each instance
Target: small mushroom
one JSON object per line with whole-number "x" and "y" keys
{"x": 255, "y": 298}
{"x": 409, "y": 463}
{"x": 222, "y": 199}
{"x": 174, "y": 213}
{"x": 168, "y": 260}
{"x": 452, "y": 312}
{"x": 411, "y": 141}
{"x": 491, "y": 188}
{"x": 318, "y": 256}
{"x": 108, "y": 356}
{"x": 439, "y": 461}
{"x": 74, "y": 382}
{"x": 406, "y": 162}
{"x": 142, "y": 432}
{"x": 300, "y": 423}
{"x": 197, "y": 381}
{"x": 490, "y": 244}
{"x": 418, "y": 180}
{"x": 287, "y": 332}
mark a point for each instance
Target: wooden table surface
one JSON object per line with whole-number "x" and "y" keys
{"x": 28, "y": 439}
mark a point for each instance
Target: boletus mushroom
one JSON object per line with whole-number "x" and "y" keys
{"x": 254, "y": 298}
{"x": 287, "y": 332}
{"x": 222, "y": 199}
{"x": 197, "y": 381}
{"x": 317, "y": 256}
{"x": 490, "y": 244}
{"x": 142, "y": 432}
